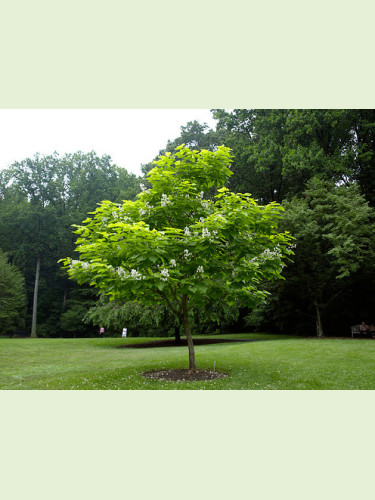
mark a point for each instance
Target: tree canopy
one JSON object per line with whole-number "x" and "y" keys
{"x": 179, "y": 243}
{"x": 334, "y": 234}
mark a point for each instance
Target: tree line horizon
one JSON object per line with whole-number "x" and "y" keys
{"x": 319, "y": 165}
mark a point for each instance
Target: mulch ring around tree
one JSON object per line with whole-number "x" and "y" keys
{"x": 184, "y": 375}
{"x": 183, "y": 342}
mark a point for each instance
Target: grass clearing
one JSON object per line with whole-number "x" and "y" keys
{"x": 280, "y": 363}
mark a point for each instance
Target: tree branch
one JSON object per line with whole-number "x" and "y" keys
{"x": 173, "y": 309}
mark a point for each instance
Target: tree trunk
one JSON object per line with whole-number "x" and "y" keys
{"x": 319, "y": 326}
{"x": 177, "y": 336}
{"x": 65, "y": 298}
{"x": 187, "y": 331}
{"x": 221, "y": 326}
{"x": 35, "y": 301}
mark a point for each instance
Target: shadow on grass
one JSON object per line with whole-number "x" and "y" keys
{"x": 183, "y": 343}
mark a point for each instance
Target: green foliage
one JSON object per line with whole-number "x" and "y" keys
{"x": 72, "y": 320}
{"x": 363, "y": 146}
{"x": 171, "y": 243}
{"x": 155, "y": 320}
{"x": 176, "y": 247}
{"x": 256, "y": 138}
{"x": 195, "y": 136}
{"x": 40, "y": 199}
{"x": 276, "y": 152}
{"x": 12, "y": 297}
{"x": 215, "y": 316}
{"x": 317, "y": 142}
{"x": 333, "y": 229}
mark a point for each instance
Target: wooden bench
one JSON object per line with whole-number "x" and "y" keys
{"x": 356, "y": 330}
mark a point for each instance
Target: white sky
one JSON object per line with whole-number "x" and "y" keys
{"x": 130, "y": 136}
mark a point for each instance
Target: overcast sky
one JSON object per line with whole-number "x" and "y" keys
{"x": 130, "y": 136}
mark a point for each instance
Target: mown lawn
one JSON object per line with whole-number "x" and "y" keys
{"x": 278, "y": 363}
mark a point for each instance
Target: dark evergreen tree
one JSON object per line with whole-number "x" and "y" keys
{"x": 12, "y": 297}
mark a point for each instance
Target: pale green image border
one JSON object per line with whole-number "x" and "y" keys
{"x": 180, "y": 444}
{"x": 113, "y": 54}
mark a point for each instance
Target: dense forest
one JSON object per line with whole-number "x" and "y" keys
{"x": 318, "y": 164}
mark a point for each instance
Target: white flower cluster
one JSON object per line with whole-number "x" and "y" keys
{"x": 74, "y": 263}
{"x": 164, "y": 200}
{"x": 271, "y": 254}
{"x": 120, "y": 215}
{"x": 146, "y": 210}
{"x": 207, "y": 234}
{"x": 122, "y": 273}
{"x": 165, "y": 274}
{"x": 187, "y": 231}
{"x": 267, "y": 254}
{"x": 200, "y": 269}
{"x": 124, "y": 218}
{"x": 173, "y": 263}
{"x": 134, "y": 274}
{"x": 187, "y": 254}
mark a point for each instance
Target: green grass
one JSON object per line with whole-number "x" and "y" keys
{"x": 279, "y": 363}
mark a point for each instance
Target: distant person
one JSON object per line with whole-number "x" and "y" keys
{"x": 101, "y": 332}
{"x": 372, "y": 330}
{"x": 124, "y": 333}
{"x": 363, "y": 328}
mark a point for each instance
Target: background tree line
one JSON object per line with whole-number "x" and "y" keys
{"x": 40, "y": 199}
{"x": 319, "y": 164}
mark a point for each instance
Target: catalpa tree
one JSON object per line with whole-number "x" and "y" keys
{"x": 184, "y": 241}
